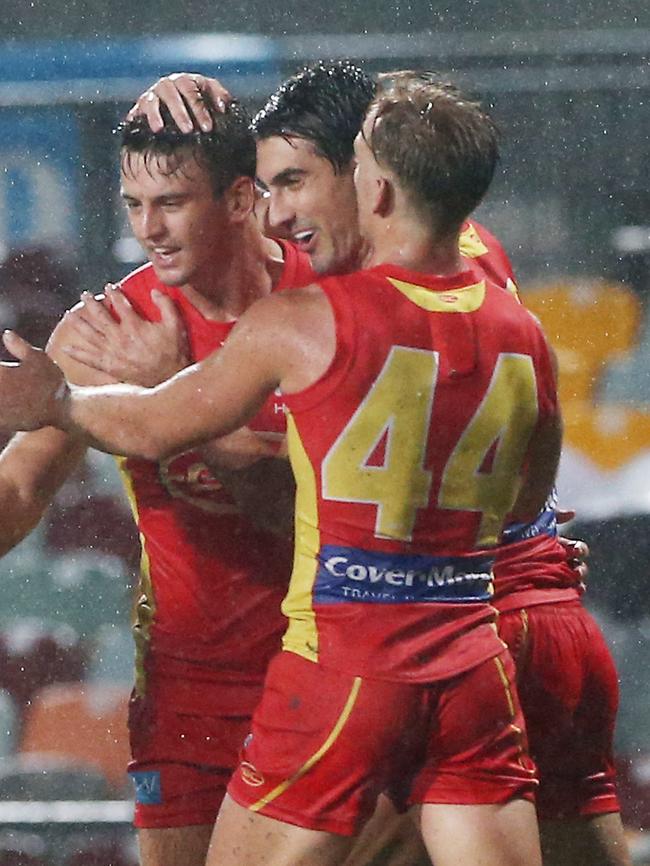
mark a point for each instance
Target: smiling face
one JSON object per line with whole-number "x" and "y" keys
{"x": 310, "y": 203}
{"x": 175, "y": 217}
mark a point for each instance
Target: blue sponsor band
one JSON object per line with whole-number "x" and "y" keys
{"x": 350, "y": 574}
{"x": 544, "y": 524}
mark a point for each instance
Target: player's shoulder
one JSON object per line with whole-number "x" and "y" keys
{"x": 279, "y": 313}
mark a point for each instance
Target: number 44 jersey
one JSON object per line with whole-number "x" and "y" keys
{"x": 408, "y": 455}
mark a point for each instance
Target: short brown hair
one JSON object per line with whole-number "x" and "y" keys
{"x": 226, "y": 152}
{"x": 441, "y": 146}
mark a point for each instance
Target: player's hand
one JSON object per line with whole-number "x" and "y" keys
{"x": 180, "y": 91}
{"x": 241, "y": 449}
{"x": 129, "y": 349}
{"x": 576, "y": 551}
{"x": 31, "y": 392}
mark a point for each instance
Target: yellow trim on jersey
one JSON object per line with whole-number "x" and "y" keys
{"x": 466, "y": 299}
{"x": 511, "y": 287}
{"x": 301, "y": 636}
{"x": 470, "y": 244}
{"x": 144, "y": 607}
{"x": 505, "y": 680}
{"x": 315, "y": 758}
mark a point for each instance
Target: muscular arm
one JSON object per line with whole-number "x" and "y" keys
{"x": 33, "y": 466}
{"x": 285, "y": 340}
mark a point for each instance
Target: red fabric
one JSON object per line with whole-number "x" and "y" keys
{"x": 533, "y": 571}
{"x": 423, "y": 641}
{"x": 193, "y": 748}
{"x": 568, "y": 689}
{"x": 321, "y": 752}
{"x": 217, "y": 583}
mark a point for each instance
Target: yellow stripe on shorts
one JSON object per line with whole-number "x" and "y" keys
{"x": 315, "y": 758}
{"x": 506, "y": 685}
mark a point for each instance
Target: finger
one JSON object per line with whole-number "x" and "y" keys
{"x": 94, "y": 312}
{"x": 220, "y": 96}
{"x": 18, "y": 347}
{"x": 148, "y": 106}
{"x": 574, "y": 548}
{"x": 89, "y": 357}
{"x": 193, "y": 88}
{"x": 123, "y": 307}
{"x": 167, "y": 93}
{"x": 563, "y": 515}
{"x": 80, "y": 332}
{"x": 169, "y": 314}
{"x": 172, "y": 320}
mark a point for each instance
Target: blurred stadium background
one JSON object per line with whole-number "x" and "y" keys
{"x": 571, "y": 205}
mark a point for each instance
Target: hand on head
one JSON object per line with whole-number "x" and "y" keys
{"x": 182, "y": 94}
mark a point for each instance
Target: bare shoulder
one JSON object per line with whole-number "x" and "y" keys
{"x": 77, "y": 373}
{"x": 291, "y": 309}
{"x": 292, "y": 332}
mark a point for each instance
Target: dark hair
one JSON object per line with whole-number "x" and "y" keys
{"x": 441, "y": 146}
{"x": 325, "y": 104}
{"x": 227, "y": 151}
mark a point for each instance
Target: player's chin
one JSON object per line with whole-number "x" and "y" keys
{"x": 171, "y": 276}
{"x": 323, "y": 261}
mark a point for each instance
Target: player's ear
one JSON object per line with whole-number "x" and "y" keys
{"x": 240, "y": 199}
{"x": 384, "y": 197}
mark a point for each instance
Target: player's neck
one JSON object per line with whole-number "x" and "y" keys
{"x": 413, "y": 248}
{"x": 244, "y": 274}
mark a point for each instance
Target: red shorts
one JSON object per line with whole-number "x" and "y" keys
{"x": 181, "y": 762}
{"x": 568, "y": 688}
{"x": 325, "y": 744}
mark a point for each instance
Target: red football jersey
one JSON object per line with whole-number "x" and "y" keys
{"x": 211, "y": 584}
{"x": 406, "y": 454}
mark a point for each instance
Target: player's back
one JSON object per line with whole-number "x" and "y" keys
{"x": 407, "y": 454}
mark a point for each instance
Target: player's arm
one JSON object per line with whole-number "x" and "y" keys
{"x": 33, "y": 466}
{"x": 545, "y": 447}
{"x": 106, "y": 334}
{"x": 284, "y": 340}
{"x": 542, "y": 461}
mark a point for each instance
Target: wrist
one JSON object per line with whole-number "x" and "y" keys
{"x": 61, "y": 407}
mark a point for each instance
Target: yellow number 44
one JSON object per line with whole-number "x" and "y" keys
{"x": 379, "y": 457}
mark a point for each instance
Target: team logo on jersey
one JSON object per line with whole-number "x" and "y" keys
{"x": 185, "y": 476}
{"x": 352, "y": 574}
{"x": 465, "y": 299}
{"x": 251, "y": 775}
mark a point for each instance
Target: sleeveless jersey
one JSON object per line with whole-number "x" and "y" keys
{"x": 211, "y": 585}
{"x": 531, "y": 567}
{"x": 406, "y": 454}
